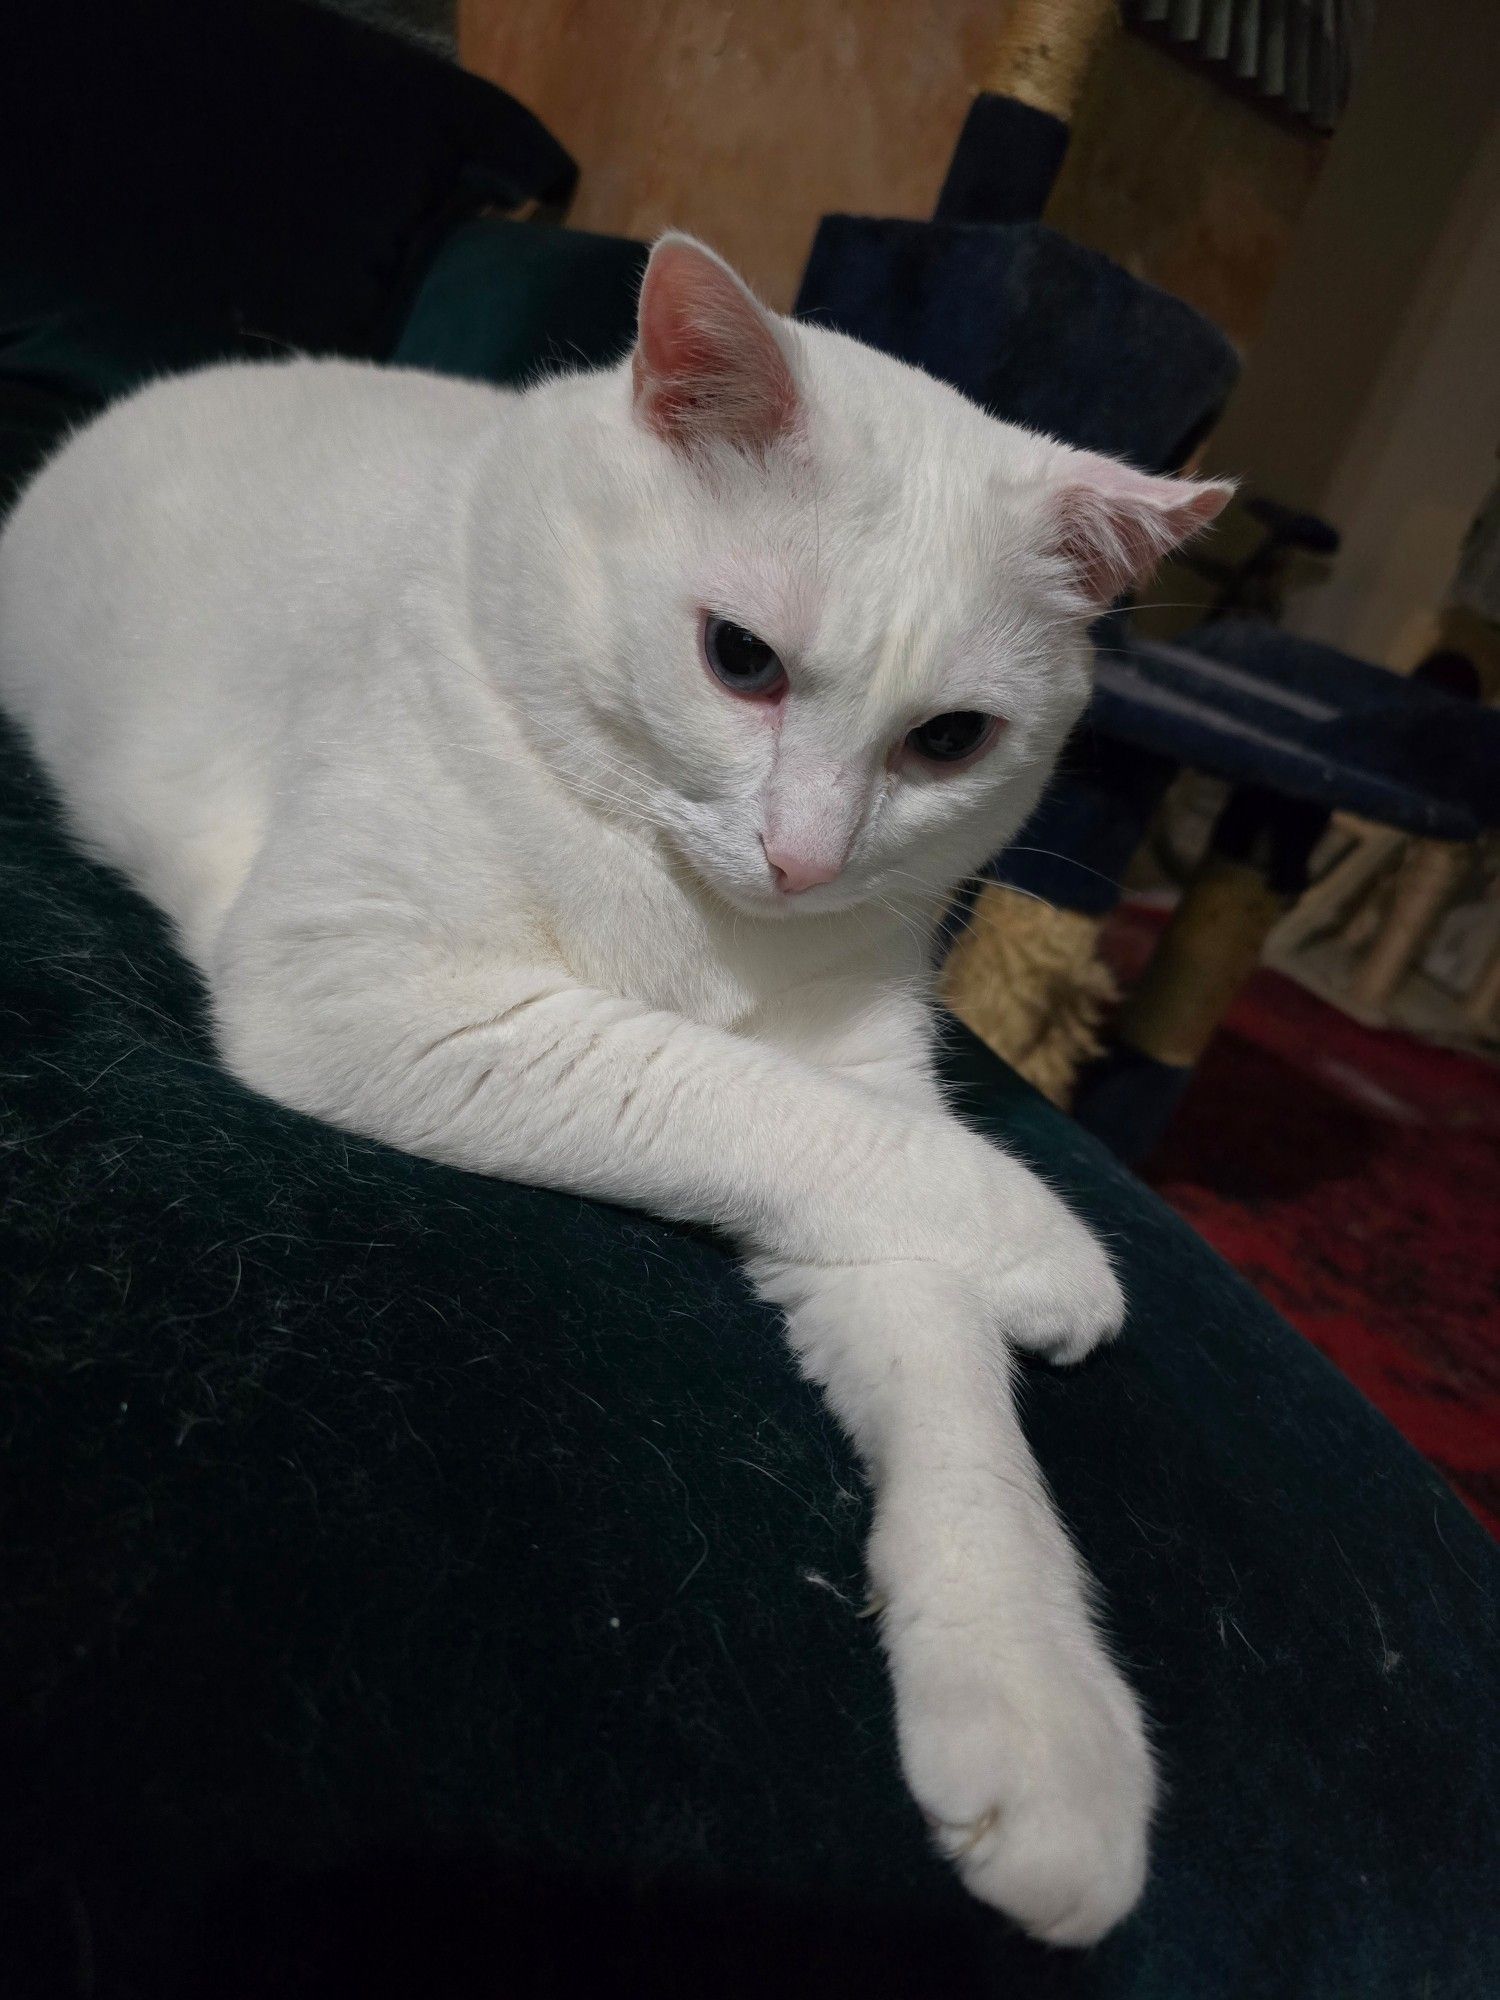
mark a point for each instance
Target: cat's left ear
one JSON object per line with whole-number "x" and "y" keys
{"x": 710, "y": 365}
{"x": 1113, "y": 525}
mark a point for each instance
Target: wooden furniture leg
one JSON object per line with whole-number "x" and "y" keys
{"x": 1373, "y": 850}
{"x": 1428, "y": 876}
{"x": 1482, "y": 1008}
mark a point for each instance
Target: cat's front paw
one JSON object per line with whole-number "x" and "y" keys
{"x": 1034, "y": 1776}
{"x": 1061, "y": 1298}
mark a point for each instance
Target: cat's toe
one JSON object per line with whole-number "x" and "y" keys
{"x": 1068, "y": 1878}
{"x": 1063, "y": 1301}
{"x": 1043, "y": 1806}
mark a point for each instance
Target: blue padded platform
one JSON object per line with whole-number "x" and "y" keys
{"x": 1255, "y": 704}
{"x": 1109, "y": 364}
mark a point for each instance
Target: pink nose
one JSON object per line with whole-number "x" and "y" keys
{"x": 794, "y": 872}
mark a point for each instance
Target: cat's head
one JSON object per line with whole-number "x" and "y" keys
{"x": 827, "y": 618}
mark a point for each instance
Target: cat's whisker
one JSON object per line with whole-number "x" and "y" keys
{"x": 919, "y": 933}
{"x": 477, "y": 678}
{"x": 1172, "y": 604}
{"x": 543, "y": 515}
{"x": 1051, "y": 854}
{"x": 596, "y": 754}
{"x": 573, "y": 780}
{"x": 577, "y": 786}
{"x": 989, "y": 881}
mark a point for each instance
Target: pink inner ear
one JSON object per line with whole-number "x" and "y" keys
{"x": 1113, "y": 525}
{"x": 708, "y": 363}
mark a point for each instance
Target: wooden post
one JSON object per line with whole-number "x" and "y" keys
{"x": 1206, "y": 954}
{"x": 1482, "y": 1008}
{"x": 1426, "y": 882}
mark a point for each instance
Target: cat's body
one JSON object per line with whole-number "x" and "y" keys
{"x": 404, "y": 699}
{"x": 191, "y": 744}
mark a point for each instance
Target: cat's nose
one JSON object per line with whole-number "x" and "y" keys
{"x": 795, "y": 872}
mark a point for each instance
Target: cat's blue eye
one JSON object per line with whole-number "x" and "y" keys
{"x": 745, "y": 664}
{"x": 953, "y": 738}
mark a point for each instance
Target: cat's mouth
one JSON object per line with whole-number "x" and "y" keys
{"x": 758, "y": 892}
{"x": 769, "y": 899}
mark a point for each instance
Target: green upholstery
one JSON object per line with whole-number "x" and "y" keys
{"x": 362, "y": 1510}
{"x": 32, "y": 418}
{"x": 503, "y": 301}
{"x": 421, "y": 1584}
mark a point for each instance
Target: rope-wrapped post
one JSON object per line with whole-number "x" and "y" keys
{"x": 1016, "y": 132}
{"x": 1043, "y": 51}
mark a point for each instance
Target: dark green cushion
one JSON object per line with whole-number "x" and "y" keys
{"x": 418, "y": 1583}
{"x": 506, "y": 301}
{"x": 175, "y": 192}
{"x": 33, "y": 419}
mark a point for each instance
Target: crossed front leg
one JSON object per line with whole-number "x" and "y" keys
{"x": 908, "y": 1254}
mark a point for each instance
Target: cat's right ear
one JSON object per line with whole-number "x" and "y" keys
{"x": 709, "y": 364}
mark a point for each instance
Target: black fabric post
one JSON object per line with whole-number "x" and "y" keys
{"x": 1041, "y": 331}
{"x": 1076, "y": 846}
{"x": 1007, "y": 158}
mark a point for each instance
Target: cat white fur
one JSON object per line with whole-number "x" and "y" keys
{"x": 389, "y": 691}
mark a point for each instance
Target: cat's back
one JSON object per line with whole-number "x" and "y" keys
{"x": 188, "y": 561}
{"x": 201, "y": 513}
{"x": 200, "y": 479}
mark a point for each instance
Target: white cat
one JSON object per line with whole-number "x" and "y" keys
{"x": 561, "y": 785}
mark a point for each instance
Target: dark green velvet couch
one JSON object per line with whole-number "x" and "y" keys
{"x": 420, "y": 1584}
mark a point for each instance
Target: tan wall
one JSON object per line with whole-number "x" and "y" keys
{"x": 741, "y": 123}
{"x": 747, "y": 123}
{"x": 1373, "y": 394}
{"x": 1184, "y": 184}
{"x": 1422, "y": 456}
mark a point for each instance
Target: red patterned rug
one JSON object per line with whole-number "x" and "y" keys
{"x": 1353, "y": 1175}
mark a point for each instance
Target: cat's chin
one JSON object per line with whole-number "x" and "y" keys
{"x": 776, "y": 905}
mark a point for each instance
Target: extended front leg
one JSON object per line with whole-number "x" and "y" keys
{"x": 1019, "y": 1738}
{"x": 518, "y": 1070}
{"x": 903, "y": 1248}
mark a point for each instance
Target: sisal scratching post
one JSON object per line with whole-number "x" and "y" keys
{"x": 1027, "y": 979}
{"x": 1042, "y": 52}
